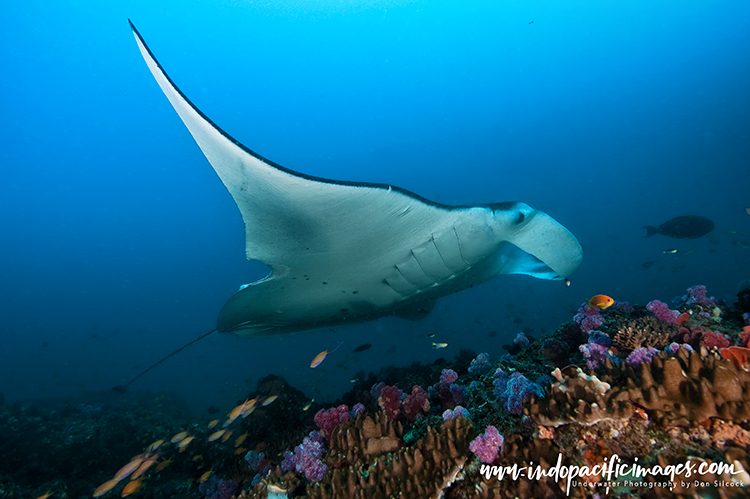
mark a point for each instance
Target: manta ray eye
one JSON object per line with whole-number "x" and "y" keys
{"x": 520, "y": 217}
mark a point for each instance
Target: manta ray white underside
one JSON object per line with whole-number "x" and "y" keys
{"x": 346, "y": 252}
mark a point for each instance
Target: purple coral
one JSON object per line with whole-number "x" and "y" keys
{"x": 522, "y": 341}
{"x": 217, "y": 488}
{"x": 662, "y": 312}
{"x": 641, "y": 354}
{"x": 480, "y": 365}
{"x": 448, "y": 376}
{"x": 518, "y": 389}
{"x": 697, "y": 294}
{"x": 359, "y": 407}
{"x": 306, "y": 458}
{"x": 329, "y": 419}
{"x": 460, "y": 393}
{"x": 588, "y": 318}
{"x": 458, "y": 412}
{"x": 487, "y": 445}
{"x": 596, "y": 352}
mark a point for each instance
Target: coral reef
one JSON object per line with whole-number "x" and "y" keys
{"x": 645, "y": 332}
{"x": 661, "y": 387}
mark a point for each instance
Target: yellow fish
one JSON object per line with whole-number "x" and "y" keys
{"x": 216, "y": 435}
{"x": 179, "y": 437}
{"x": 163, "y": 465}
{"x": 154, "y": 446}
{"x": 308, "y": 404}
{"x": 240, "y": 439}
{"x": 184, "y": 443}
{"x": 213, "y": 423}
{"x": 269, "y": 400}
{"x": 105, "y": 487}
{"x": 438, "y": 346}
{"x": 205, "y": 476}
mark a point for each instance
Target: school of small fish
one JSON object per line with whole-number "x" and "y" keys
{"x": 136, "y": 468}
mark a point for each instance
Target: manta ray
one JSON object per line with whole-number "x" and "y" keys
{"x": 345, "y": 252}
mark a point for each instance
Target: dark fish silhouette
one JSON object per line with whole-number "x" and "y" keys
{"x": 689, "y": 227}
{"x": 362, "y": 348}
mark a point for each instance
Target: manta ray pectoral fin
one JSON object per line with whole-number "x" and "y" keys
{"x": 416, "y": 311}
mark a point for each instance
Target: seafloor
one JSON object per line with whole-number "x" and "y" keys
{"x": 621, "y": 401}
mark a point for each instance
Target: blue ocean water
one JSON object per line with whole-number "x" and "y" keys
{"x": 119, "y": 243}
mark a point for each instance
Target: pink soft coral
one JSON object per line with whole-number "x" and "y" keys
{"x": 487, "y": 445}
{"x": 713, "y": 339}
{"x": 416, "y": 403}
{"x": 329, "y": 419}
{"x": 390, "y": 402}
{"x": 662, "y": 312}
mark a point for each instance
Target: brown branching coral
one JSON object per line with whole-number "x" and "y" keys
{"x": 646, "y": 332}
{"x": 580, "y": 399}
{"x": 424, "y": 470}
{"x": 367, "y": 459}
{"x": 687, "y": 389}
{"x": 675, "y": 391}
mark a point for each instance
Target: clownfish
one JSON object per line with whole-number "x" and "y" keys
{"x": 600, "y": 301}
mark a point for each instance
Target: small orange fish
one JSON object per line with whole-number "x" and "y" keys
{"x": 132, "y": 487}
{"x": 184, "y": 443}
{"x": 197, "y": 458}
{"x": 216, "y": 435}
{"x": 249, "y": 406}
{"x": 154, "y": 446}
{"x": 240, "y": 439}
{"x": 163, "y": 465}
{"x": 248, "y": 412}
{"x": 205, "y": 476}
{"x": 237, "y": 411}
{"x": 269, "y": 400}
{"x": 146, "y": 464}
{"x": 129, "y": 468}
{"x": 226, "y": 436}
{"x": 105, "y": 487}
{"x": 240, "y": 450}
{"x": 179, "y": 437}
{"x": 213, "y": 423}
{"x": 322, "y": 355}
{"x": 46, "y": 494}
{"x": 227, "y": 422}
{"x": 600, "y": 301}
